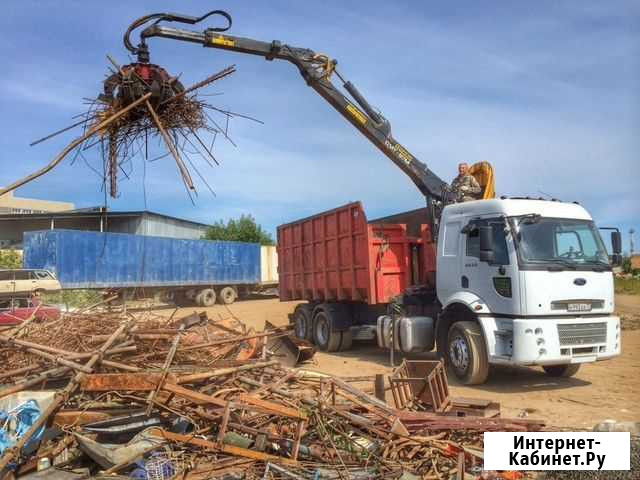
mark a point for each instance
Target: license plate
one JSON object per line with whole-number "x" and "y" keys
{"x": 578, "y": 307}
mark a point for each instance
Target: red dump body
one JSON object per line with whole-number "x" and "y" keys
{"x": 336, "y": 255}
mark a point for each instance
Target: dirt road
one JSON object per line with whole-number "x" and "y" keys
{"x": 603, "y": 390}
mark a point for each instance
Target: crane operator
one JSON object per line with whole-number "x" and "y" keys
{"x": 465, "y": 186}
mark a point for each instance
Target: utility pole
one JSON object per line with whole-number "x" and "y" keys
{"x": 631, "y": 244}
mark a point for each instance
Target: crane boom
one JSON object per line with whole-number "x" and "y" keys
{"x": 317, "y": 70}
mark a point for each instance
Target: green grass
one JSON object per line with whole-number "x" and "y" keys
{"x": 629, "y": 286}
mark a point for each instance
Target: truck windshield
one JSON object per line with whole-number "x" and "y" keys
{"x": 567, "y": 242}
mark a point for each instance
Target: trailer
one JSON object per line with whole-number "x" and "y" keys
{"x": 511, "y": 281}
{"x": 350, "y": 270}
{"x": 168, "y": 269}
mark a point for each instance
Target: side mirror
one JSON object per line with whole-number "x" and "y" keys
{"x": 616, "y": 242}
{"x": 616, "y": 259}
{"x": 487, "y": 253}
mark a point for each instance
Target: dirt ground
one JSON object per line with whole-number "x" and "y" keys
{"x": 599, "y": 391}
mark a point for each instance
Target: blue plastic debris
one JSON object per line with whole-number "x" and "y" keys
{"x": 16, "y": 422}
{"x": 156, "y": 467}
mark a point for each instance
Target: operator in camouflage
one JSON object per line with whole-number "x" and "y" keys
{"x": 465, "y": 186}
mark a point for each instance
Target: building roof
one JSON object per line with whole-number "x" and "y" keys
{"x": 93, "y": 213}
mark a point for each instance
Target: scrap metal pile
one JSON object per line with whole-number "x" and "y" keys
{"x": 147, "y": 114}
{"x": 171, "y": 112}
{"x": 107, "y": 394}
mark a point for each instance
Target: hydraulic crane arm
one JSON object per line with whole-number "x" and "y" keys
{"x": 317, "y": 70}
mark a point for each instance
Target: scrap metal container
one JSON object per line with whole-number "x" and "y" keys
{"x": 82, "y": 259}
{"x": 338, "y": 256}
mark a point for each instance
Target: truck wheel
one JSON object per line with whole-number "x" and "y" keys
{"x": 566, "y": 371}
{"x": 347, "y": 340}
{"x": 164, "y": 296}
{"x": 325, "y": 337}
{"x": 227, "y": 295}
{"x": 207, "y": 297}
{"x": 302, "y": 325}
{"x": 467, "y": 353}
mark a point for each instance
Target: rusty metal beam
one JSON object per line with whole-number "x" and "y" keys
{"x": 134, "y": 382}
{"x": 78, "y": 141}
{"x": 186, "y": 177}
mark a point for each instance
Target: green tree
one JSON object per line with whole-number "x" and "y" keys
{"x": 243, "y": 229}
{"x": 10, "y": 259}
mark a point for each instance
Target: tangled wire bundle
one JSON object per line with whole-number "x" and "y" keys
{"x": 142, "y": 103}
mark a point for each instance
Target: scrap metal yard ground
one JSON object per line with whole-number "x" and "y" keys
{"x": 600, "y": 391}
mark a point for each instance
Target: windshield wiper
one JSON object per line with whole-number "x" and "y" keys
{"x": 561, "y": 261}
{"x": 598, "y": 265}
{"x": 598, "y": 262}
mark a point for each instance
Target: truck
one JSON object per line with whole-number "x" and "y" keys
{"x": 496, "y": 280}
{"x": 183, "y": 271}
{"x": 510, "y": 281}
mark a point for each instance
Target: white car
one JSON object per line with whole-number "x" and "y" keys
{"x": 28, "y": 281}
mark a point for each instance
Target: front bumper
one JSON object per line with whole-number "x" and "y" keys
{"x": 551, "y": 340}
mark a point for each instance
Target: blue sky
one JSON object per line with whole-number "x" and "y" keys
{"x": 549, "y": 92}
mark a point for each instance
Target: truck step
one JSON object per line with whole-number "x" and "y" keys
{"x": 363, "y": 332}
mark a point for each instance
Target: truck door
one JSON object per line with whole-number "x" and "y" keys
{"x": 495, "y": 282}
{"x": 448, "y": 269}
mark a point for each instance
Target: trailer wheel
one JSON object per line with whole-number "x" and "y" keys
{"x": 467, "y": 353}
{"x": 302, "y": 324}
{"x": 227, "y": 295}
{"x": 207, "y": 297}
{"x": 198, "y": 298}
{"x": 164, "y": 296}
{"x": 325, "y": 337}
{"x": 566, "y": 371}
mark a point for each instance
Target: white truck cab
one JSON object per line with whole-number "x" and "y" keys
{"x": 523, "y": 282}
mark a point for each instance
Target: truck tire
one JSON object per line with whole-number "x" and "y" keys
{"x": 467, "y": 353}
{"x": 302, "y": 324}
{"x": 164, "y": 296}
{"x": 566, "y": 370}
{"x": 325, "y": 337}
{"x": 207, "y": 297}
{"x": 198, "y": 298}
{"x": 227, "y": 295}
{"x": 347, "y": 341}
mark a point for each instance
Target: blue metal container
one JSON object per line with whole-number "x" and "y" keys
{"x": 82, "y": 259}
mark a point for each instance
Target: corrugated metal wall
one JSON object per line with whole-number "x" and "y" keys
{"x": 158, "y": 226}
{"x": 100, "y": 260}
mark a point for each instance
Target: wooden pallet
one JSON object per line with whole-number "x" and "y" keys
{"x": 420, "y": 384}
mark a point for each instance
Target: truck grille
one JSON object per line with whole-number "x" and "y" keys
{"x": 582, "y": 333}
